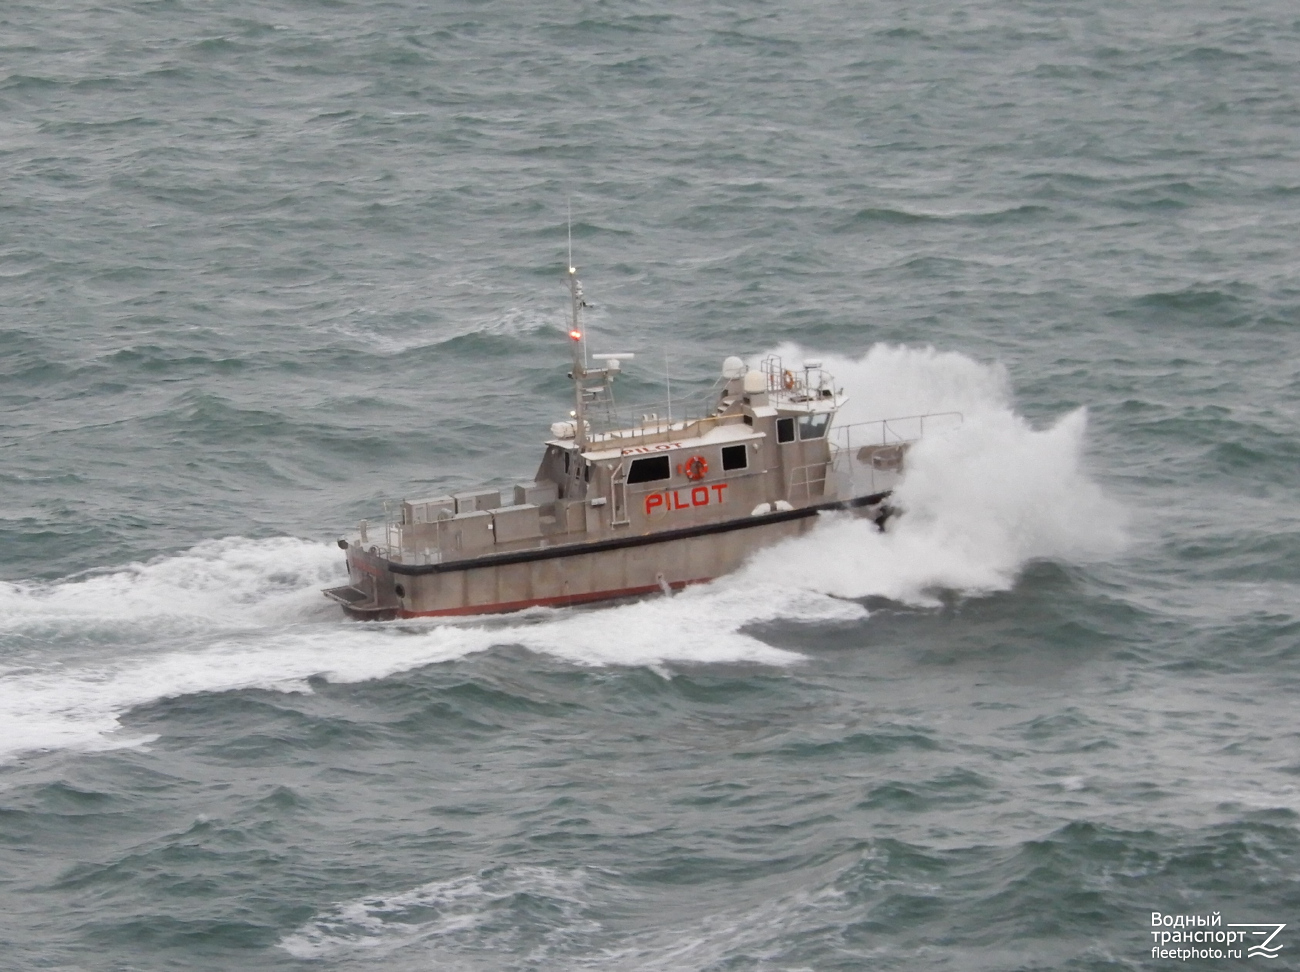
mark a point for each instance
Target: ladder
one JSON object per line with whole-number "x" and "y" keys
{"x": 618, "y": 486}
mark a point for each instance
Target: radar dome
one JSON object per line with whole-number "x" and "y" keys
{"x": 733, "y": 367}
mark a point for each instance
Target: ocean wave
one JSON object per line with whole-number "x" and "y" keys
{"x": 902, "y": 217}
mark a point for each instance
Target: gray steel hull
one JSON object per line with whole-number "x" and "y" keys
{"x": 573, "y": 573}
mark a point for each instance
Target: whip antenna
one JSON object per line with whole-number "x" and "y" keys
{"x": 668, "y": 384}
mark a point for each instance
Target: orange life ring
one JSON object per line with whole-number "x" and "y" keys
{"x": 787, "y": 379}
{"x": 695, "y": 468}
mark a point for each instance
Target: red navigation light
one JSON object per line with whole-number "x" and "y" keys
{"x": 576, "y": 335}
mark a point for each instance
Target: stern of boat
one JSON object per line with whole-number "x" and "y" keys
{"x": 370, "y": 594}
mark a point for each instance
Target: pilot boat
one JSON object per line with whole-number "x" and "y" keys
{"x": 620, "y": 508}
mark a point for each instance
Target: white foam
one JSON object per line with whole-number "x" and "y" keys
{"x": 248, "y": 614}
{"x": 440, "y": 911}
{"x": 232, "y": 583}
{"x": 78, "y": 705}
{"x": 895, "y": 380}
{"x": 979, "y": 503}
{"x": 699, "y": 625}
{"x": 447, "y": 921}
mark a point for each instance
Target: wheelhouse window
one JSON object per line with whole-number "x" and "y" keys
{"x": 649, "y": 470}
{"x": 735, "y": 457}
{"x": 785, "y": 430}
{"x": 814, "y": 426}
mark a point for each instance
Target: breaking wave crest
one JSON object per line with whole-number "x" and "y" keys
{"x": 978, "y": 503}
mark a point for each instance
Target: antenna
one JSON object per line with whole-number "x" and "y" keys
{"x": 668, "y": 383}
{"x": 578, "y": 339}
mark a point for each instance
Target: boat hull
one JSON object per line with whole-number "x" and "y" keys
{"x": 575, "y": 573}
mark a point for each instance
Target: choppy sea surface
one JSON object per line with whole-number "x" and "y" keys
{"x": 265, "y": 266}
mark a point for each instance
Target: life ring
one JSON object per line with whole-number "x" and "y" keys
{"x": 787, "y": 379}
{"x": 695, "y": 468}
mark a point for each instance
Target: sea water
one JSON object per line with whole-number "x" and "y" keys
{"x": 265, "y": 267}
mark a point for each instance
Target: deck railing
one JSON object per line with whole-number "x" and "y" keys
{"x": 870, "y": 454}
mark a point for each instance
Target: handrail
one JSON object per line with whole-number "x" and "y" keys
{"x": 891, "y": 436}
{"x": 687, "y": 408}
{"x": 885, "y": 425}
{"x": 798, "y": 383}
{"x": 663, "y": 431}
{"x": 619, "y": 515}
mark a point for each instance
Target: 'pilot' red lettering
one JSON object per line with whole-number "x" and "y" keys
{"x": 671, "y": 499}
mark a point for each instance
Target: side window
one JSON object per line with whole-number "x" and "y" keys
{"x": 814, "y": 426}
{"x": 785, "y": 430}
{"x": 734, "y": 457}
{"x": 649, "y": 470}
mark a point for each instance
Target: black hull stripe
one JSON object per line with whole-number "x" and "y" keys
{"x": 617, "y": 543}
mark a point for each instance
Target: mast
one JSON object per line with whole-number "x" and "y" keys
{"x": 579, "y": 358}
